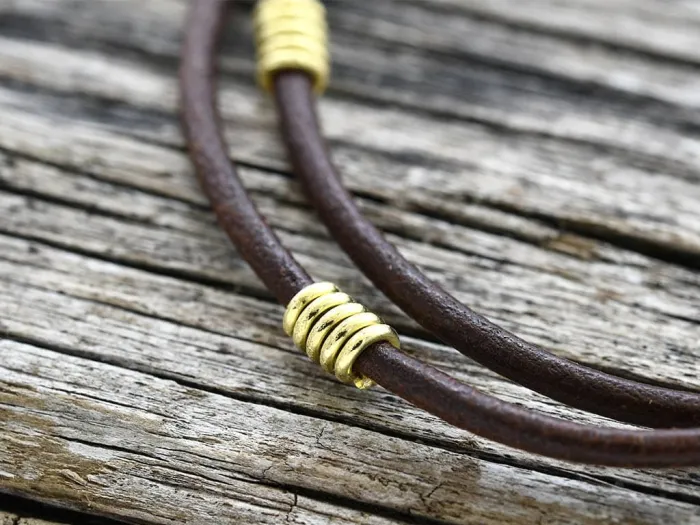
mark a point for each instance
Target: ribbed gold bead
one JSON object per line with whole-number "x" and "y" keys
{"x": 301, "y": 301}
{"x": 292, "y": 34}
{"x": 355, "y": 345}
{"x": 313, "y": 312}
{"x": 334, "y": 330}
{"x": 336, "y": 339}
{"x": 325, "y": 325}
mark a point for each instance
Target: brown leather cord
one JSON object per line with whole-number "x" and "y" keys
{"x": 443, "y": 315}
{"x": 235, "y": 212}
{"x": 407, "y": 377}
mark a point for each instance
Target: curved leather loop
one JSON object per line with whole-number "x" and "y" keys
{"x": 443, "y": 315}
{"x": 418, "y": 383}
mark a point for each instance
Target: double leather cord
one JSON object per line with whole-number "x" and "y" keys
{"x": 407, "y": 377}
{"x": 435, "y": 309}
{"x": 439, "y": 312}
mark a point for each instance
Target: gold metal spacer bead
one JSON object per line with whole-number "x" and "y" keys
{"x": 292, "y": 34}
{"x": 334, "y": 330}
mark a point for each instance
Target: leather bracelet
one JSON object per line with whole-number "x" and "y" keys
{"x": 416, "y": 382}
{"x": 432, "y": 307}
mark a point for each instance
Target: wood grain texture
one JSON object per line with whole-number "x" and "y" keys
{"x": 539, "y": 159}
{"x": 206, "y": 449}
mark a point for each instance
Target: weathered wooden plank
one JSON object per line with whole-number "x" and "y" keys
{"x": 667, "y": 29}
{"x": 526, "y": 174}
{"x": 678, "y": 231}
{"x": 625, "y": 304}
{"x": 476, "y": 44}
{"x": 505, "y": 143}
{"x": 221, "y": 341}
{"x": 130, "y": 170}
{"x": 127, "y": 465}
{"x": 418, "y": 24}
{"x": 124, "y": 441}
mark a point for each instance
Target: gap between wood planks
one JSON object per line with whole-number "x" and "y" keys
{"x": 19, "y": 511}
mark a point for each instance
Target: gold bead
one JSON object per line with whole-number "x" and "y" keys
{"x": 355, "y": 346}
{"x": 292, "y": 34}
{"x": 316, "y": 308}
{"x": 325, "y": 324}
{"x": 336, "y": 339}
{"x": 301, "y": 300}
{"x": 334, "y": 330}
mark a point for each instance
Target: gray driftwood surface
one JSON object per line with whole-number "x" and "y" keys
{"x": 539, "y": 157}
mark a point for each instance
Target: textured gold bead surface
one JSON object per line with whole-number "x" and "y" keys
{"x": 292, "y": 34}
{"x": 313, "y": 312}
{"x": 334, "y": 330}
{"x": 356, "y": 345}
{"x": 301, "y": 301}
{"x": 325, "y": 325}
{"x": 336, "y": 339}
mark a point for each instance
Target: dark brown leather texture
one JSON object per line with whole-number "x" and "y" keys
{"x": 416, "y": 382}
